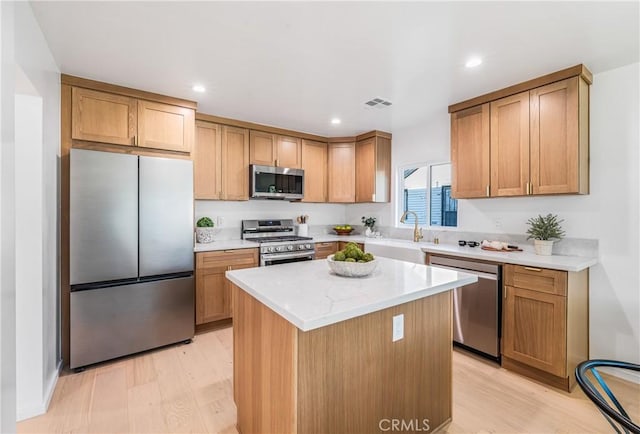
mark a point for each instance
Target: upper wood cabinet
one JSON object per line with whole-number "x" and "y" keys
{"x": 274, "y": 150}
{"x": 163, "y": 126}
{"x": 470, "y": 152}
{"x": 538, "y": 138}
{"x": 207, "y": 161}
{"x": 342, "y": 172}
{"x": 111, "y": 118}
{"x": 510, "y": 146}
{"x": 221, "y": 162}
{"x": 103, "y": 117}
{"x": 262, "y": 148}
{"x": 314, "y": 164}
{"x": 373, "y": 169}
{"x": 235, "y": 163}
{"x": 288, "y": 152}
{"x": 559, "y": 146}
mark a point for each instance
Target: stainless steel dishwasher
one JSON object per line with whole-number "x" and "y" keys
{"x": 477, "y": 308}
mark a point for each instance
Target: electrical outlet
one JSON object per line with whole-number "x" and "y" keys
{"x": 219, "y": 221}
{"x": 498, "y": 222}
{"x": 398, "y": 328}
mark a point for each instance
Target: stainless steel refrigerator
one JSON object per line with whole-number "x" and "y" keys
{"x": 131, "y": 254}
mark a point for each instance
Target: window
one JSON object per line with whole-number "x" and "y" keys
{"x": 426, "y": 190}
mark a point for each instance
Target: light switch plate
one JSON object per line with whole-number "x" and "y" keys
{"x": 398, "y": 328}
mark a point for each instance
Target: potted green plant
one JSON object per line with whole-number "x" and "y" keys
{"x": 369, "y": 223}
{"x": 204, "y": 230}
{"x": 544, "y": 231}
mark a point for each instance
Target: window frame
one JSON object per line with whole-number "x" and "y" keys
{"x": 400, "y": 196}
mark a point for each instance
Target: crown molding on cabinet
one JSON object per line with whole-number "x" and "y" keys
{"x": 580, "y": 70}
{"x": 121, "y": 90}
{"x": 259, "y": 127}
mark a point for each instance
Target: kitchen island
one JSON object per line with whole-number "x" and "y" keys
{"x": 316, "y": 353}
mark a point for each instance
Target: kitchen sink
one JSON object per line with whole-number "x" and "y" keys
{"x": 397, "y": 249}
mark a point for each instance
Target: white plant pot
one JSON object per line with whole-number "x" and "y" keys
{"x": 543, "y": 247}
{"x": 204, "y": 235}
{"x": 368, "y": 232}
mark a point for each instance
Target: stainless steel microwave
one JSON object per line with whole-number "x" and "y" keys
{"x": 267, "y": 182}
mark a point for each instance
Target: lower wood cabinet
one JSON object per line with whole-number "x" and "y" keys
{"x": 325, "y": 249}
{"x": 213, "y": 293}
{"x": 545, "y": 323}
{"x": 341, "y": 245}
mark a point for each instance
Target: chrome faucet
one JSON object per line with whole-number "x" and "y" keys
{"x": 417, "y": 233}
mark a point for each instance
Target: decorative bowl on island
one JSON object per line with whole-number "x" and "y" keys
{"x": 352, "y": 269}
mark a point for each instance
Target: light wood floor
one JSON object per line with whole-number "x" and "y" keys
{"x": 188, "y": 388}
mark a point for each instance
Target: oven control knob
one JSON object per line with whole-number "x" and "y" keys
{"x": 307, "y": 246}
{"x": 269, "y": 249}
{"x": 289, "y": 247}
{"x": 278, "y": 249}
{"x": 301, "y": 247}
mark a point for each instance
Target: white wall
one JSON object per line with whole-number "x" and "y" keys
{"x": 36, "y": 212}
{"x": 7, "y": 223}
{"x": 609, "y": 213}
{"x": 29, "y": 229}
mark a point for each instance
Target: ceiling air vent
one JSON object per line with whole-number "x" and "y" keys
{"x": 377, "y": 103}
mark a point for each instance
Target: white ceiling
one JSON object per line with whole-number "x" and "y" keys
{"x": 296, "y": 65}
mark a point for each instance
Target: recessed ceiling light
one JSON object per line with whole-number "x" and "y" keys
{"x": 473, "y": 62}
{"x": 336, "y": 121}
{"x": 198, "y": 88}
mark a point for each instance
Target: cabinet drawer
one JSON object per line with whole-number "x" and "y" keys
{"x": 247, "y": 257}
{"x": 325, "y": 249}
{"x": 536, "y": 279}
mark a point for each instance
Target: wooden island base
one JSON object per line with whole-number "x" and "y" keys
{"x": 348, "y": 377}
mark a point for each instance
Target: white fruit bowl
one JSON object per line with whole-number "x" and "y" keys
{"x": 352, "y": 269}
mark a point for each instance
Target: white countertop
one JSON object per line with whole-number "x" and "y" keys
{"x": 555, "y": 262}
{"x": 225, "y": 245}
{"x": 242, "y": 244}
{"x": 310, "y": 296}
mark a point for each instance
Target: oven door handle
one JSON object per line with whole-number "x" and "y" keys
{"x": 271, "y": 256}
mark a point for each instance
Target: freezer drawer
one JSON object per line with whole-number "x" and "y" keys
{"x": 116, "y": 321}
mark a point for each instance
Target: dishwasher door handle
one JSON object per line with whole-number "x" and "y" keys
{"x": 480, "y": 274}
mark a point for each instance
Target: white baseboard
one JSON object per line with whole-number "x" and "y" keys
{"x": 631, "y": 376}
{"x": 37, "y": 409}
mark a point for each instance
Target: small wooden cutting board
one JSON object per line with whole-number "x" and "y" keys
{"x": 508, "y": 249}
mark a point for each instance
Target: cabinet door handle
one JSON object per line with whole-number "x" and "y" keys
{"x": 373, "y": 197}
{"x": 487, "y": 190}
{"x": 533, "y": 269}
{"x": 135, "y": 140}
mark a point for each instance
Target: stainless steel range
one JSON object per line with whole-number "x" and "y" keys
{"x": 278, "y": 242}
